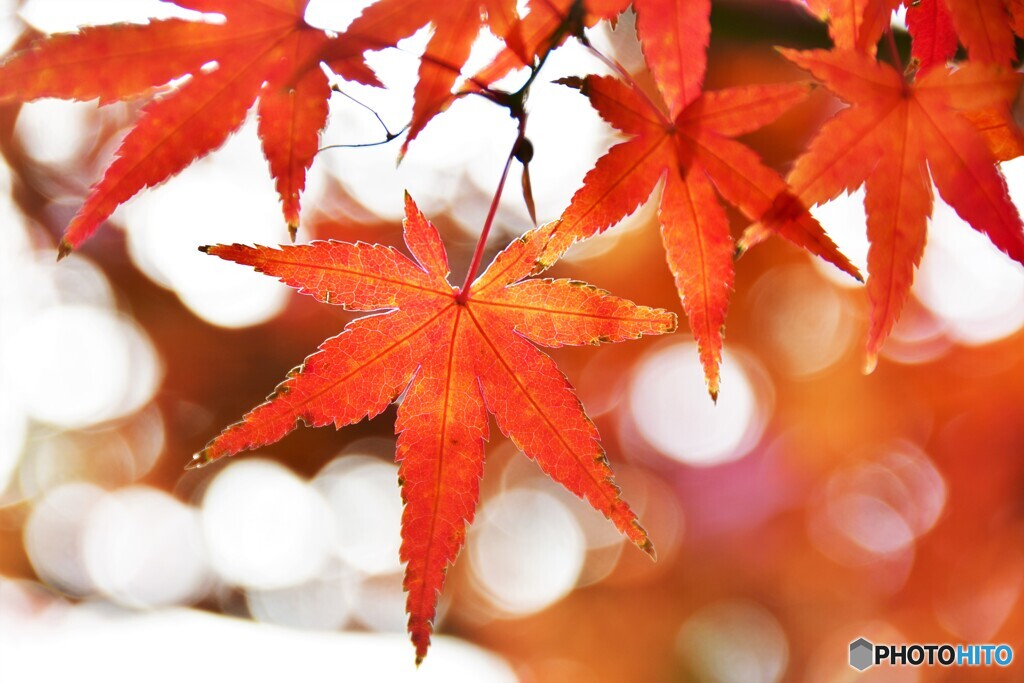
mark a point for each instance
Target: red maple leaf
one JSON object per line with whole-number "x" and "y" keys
{"x": 931, "y": 26}
{"x": 456, "y": 24}
{"x": 263, "y": 49}
{"x": 458, "y": 354}
{"x": 545, "y": 26}
{"x": 1016, "y": 10}
{"x": 689, "y": 146}
{"x": 855, "y": 24}
{"x": 896, "y": 139}
{"x": 674, "y": 35}
{"x": 985, "y": 29}
{"x": 693, "y": 151}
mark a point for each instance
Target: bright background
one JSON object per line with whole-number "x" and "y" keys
{"x": 811, "y": 506}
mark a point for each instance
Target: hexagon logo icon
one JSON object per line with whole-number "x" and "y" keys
{"x": 861, "y": 654}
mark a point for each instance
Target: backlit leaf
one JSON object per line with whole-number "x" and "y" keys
{"x": 458, "y": 358}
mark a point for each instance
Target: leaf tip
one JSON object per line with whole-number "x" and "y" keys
{"x": 574, "y": 82}
{"x": 751, "y": 237}
{"x": 871, "y": 362}
{"x": 421, "y": 651}
{"x": 64, "y": 250}
{"x": 199, "y": 460}
{"x": 410, "y": 206}
{"x": 205, "y": 248}
{"x": 648, "y": 548}
{"x": 787, "y": 52}
{"x": 293, "y": 230}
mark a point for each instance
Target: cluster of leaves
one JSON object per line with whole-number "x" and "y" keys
{"x": 457, "y": 353}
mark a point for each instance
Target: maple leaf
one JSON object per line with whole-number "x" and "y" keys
{"x": 262, "y": 49}
{"x": 855, "y": 24}
{"x": 674, "y": 35}
{"x": 1016, "y": 10}
{"x": 459, "y": 354}
{"x": 693, "y": 152}
{"x": 545, "y": 26}
{"x": 689, "y": 146}
{"x": 985, "y": 29}
{"x": 896, "y": 139}
{"x": 934, "y": 38}
{"x": 456, "y": 24}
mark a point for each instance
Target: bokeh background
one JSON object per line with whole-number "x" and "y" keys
{"x": 811, "y": 506}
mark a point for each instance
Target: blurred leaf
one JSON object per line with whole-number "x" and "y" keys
{"x": 263, "y": 50}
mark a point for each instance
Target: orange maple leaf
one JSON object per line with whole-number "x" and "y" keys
{"x": 263, "y": 49}
{"x": 674, "y": 35}
{"x": 855, "y": 24}
{"x": 545, "y": 26}
{"x": 934, "y": 38}
{"x": 896, "y": 139}
{"x": 984, "y": 28}
{"x": 694, "y": 153}
{"x": 456, "y": 24}
{"x": 459, "y": 354}
{"x": 689, "y": 146}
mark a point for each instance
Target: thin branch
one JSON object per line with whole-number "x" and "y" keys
{"x": 378, "y": 143}
{"x": 516, "y": 104}
{"x": 388, "y": 135}
{"x": 368, "y": 108}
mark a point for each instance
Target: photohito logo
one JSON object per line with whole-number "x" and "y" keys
{"x": 864, "y": 654}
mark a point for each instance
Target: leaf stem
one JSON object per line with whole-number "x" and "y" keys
{"x": 481, "y": 243}
{"x": 516, "y": 105}
{"x": 388, "y": 135}
{"x": 894, "y": 51}
{"x": 357, "y": 145}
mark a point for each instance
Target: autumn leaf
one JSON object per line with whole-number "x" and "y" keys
{"x": 456, "y": 25}
{"x": 689, "y": 146}
{"x": 696, "y": 156}
{"x": 545, "y": 26}
{"x": 931, "y": 27}
{"x": 985, "y": 30}
{"x": 896, "y": 139}
{"x": 458, "y": 355}
{"x": 1016, "y": 10}
{"x": 674, "y": 35}
{"x": 263, "y": 49}
{"x": 855, "y": 24}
